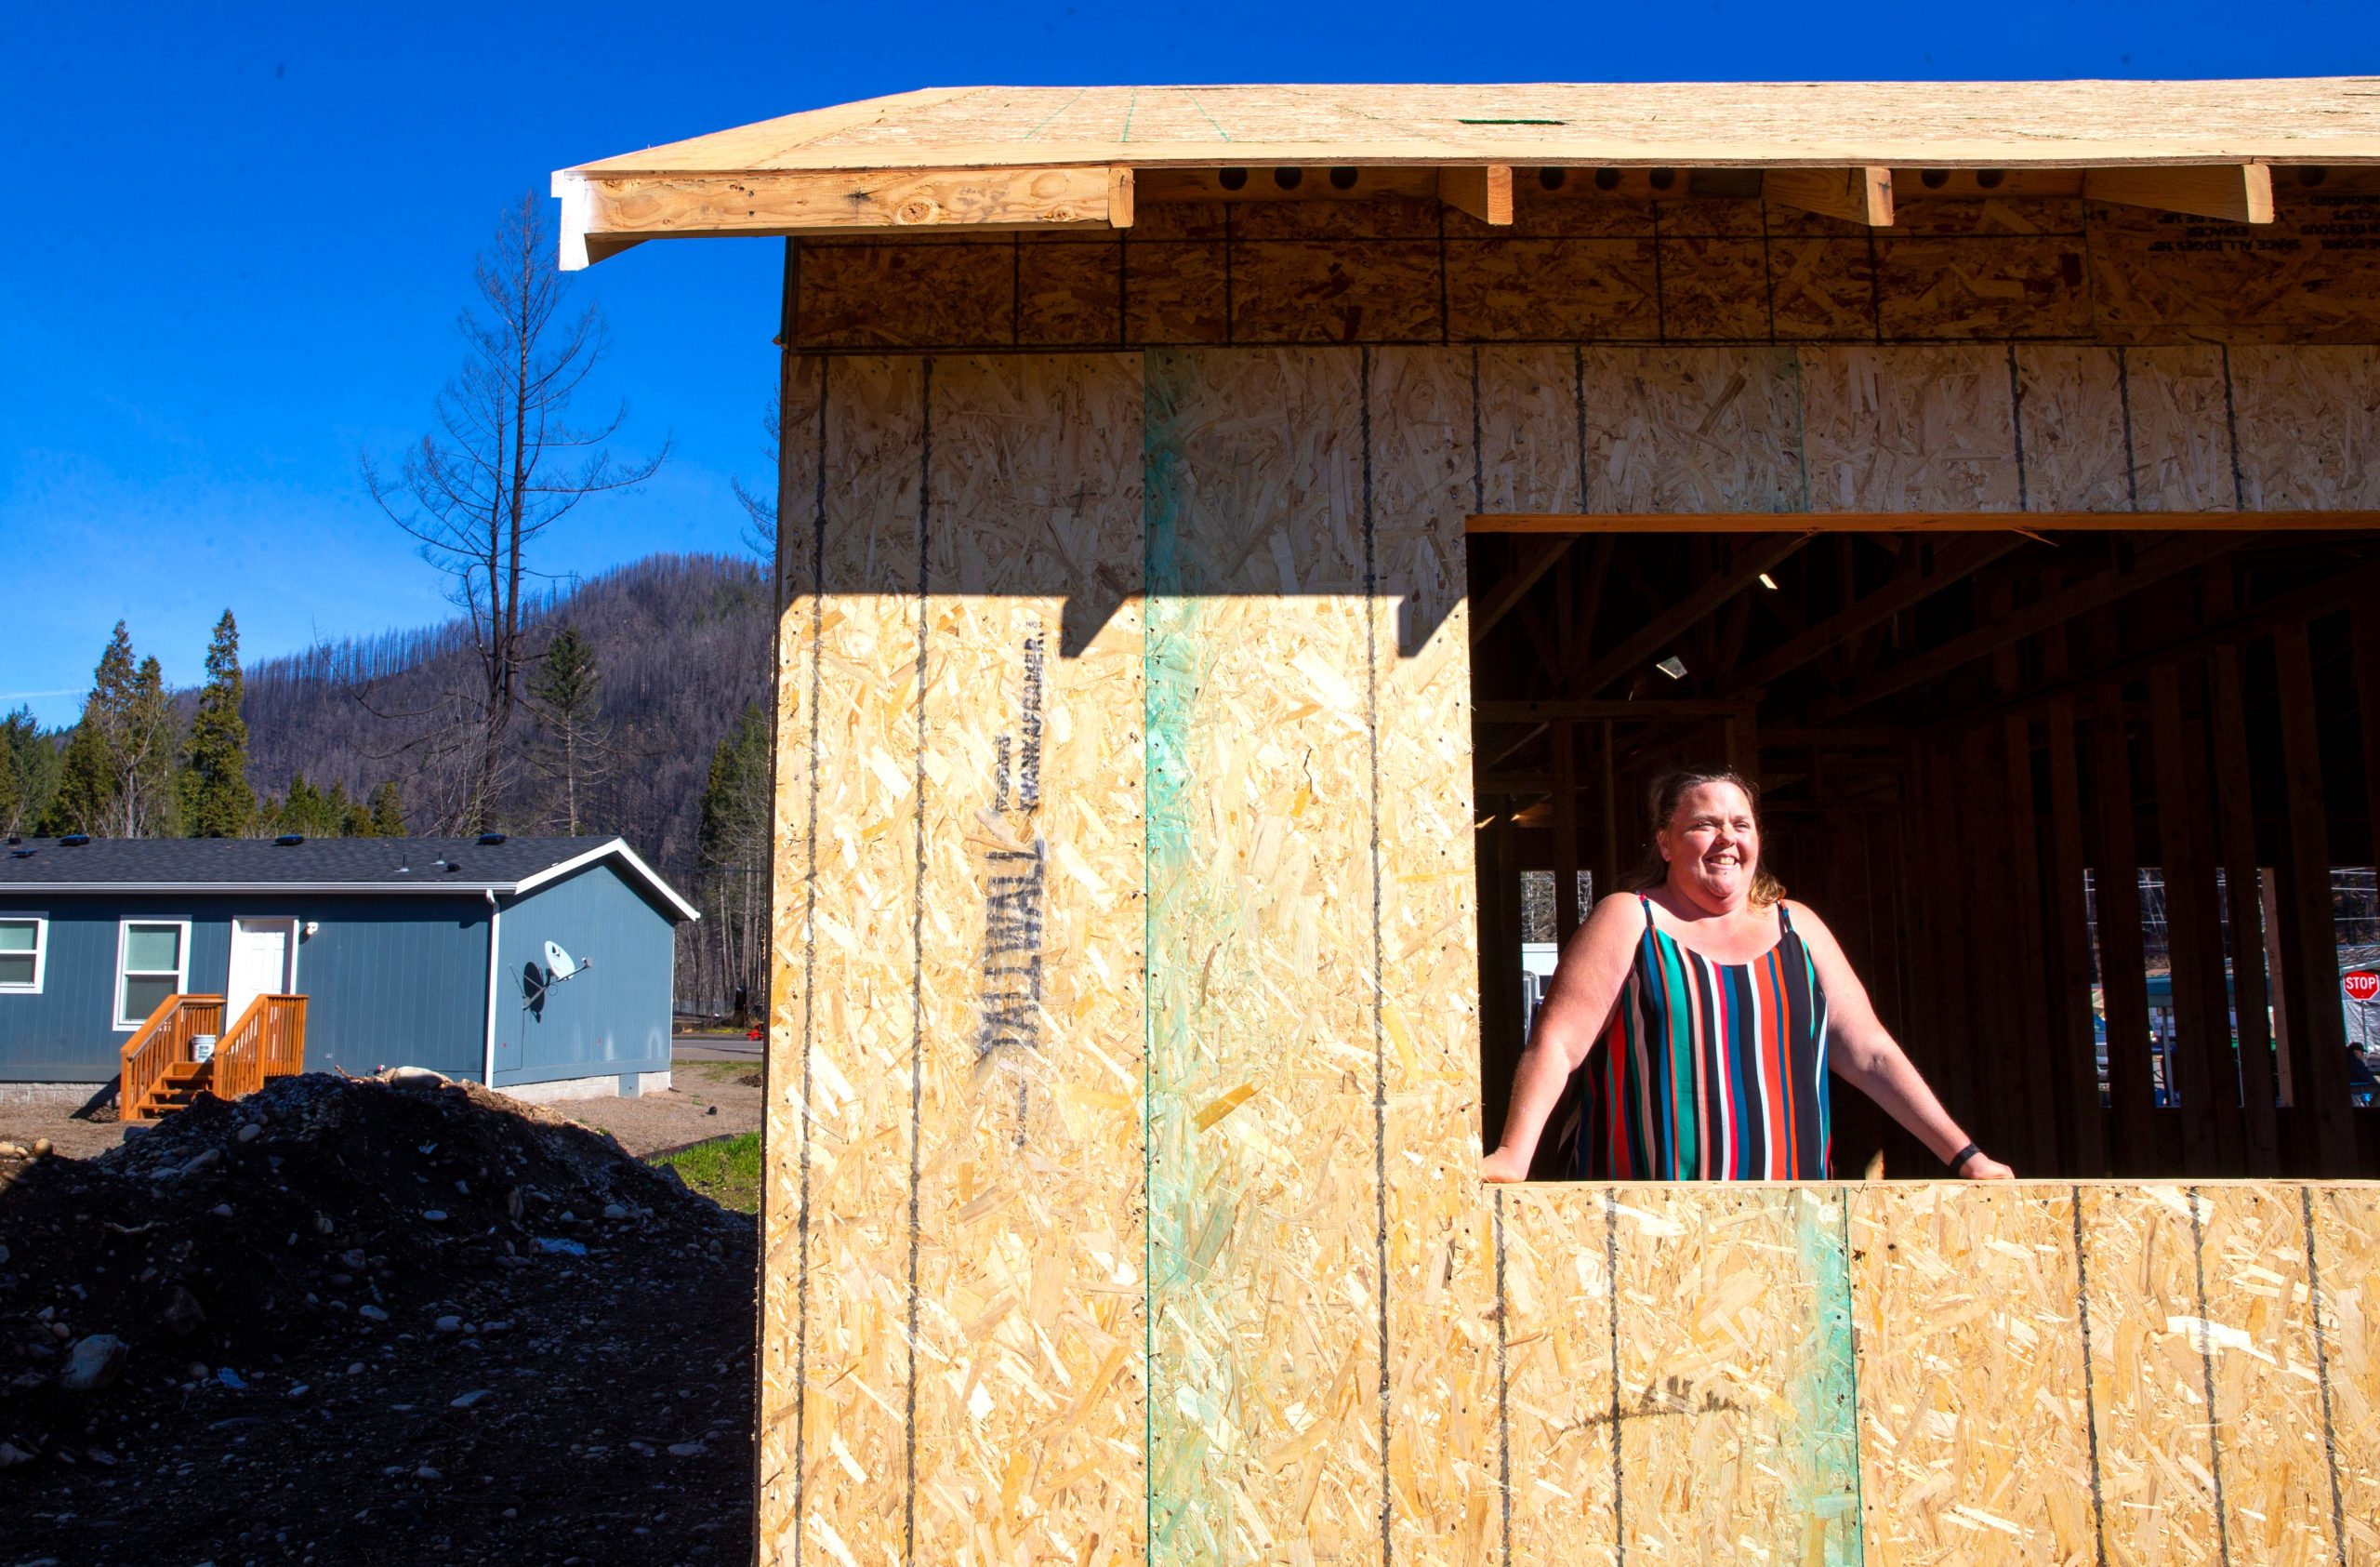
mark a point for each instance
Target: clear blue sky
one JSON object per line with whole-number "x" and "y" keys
{"x": 240, "y": 235}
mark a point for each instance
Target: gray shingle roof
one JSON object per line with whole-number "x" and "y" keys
{"x": 463, "y": 865}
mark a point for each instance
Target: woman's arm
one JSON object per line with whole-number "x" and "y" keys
{"x": 1866, "y": 1056}
{"x": 1577, "y": 1005}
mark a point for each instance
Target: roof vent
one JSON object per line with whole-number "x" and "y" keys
{"x": 75, "y": 839}
{"x": 491, "y": 839}
{"x": 289, "y": 840}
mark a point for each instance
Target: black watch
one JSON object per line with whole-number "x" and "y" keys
{"x": 1957, "y": 1162}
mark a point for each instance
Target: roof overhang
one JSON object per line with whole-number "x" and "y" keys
{"x": 1042, "y": 158}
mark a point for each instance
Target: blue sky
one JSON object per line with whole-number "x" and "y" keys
{"x": 240, "y": 237}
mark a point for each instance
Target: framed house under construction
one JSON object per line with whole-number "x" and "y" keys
{"x": 1243, "y": 551}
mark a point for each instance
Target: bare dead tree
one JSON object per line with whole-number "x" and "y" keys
{"x": 760, "y": 502}
{"x": 505, "y": 464}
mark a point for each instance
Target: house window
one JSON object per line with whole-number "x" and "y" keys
{"x": 152, "y": 962}
{"x": 24, "y": 943}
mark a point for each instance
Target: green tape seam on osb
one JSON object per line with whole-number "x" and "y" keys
{"x": 1170, "y": 671}
{"x": 1824, "y": 1391}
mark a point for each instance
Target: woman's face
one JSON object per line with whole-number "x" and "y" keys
{"x": 1712, "y": 846}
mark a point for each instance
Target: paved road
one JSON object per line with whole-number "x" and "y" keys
{"x": 717, "y": 1047}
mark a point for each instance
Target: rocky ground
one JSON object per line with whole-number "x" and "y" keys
{"x": 344, "y": 1321}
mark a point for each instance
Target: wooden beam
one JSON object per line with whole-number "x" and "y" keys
{"x": 2123, "y": 966}
{"x": 2243, "y": 895}
{"x": 2317, "y": 1031}
{"x": 1486, "y": 194}
{"x": 2153, "y": 565}
{"x": 2238, "y": 193}
{"x": 1924, "y": 522}
{"x": 1906, "y": 589}
{"x": 1505, "y": 592}
{"x": 1739, "y": 575}
{"x": 1856, "y": 195}
{"x": 603, "y": 216}
{"x": 2083, "y": 1122}
{"x": 2187, "y": 833}
{"x": 1583, "y": 710}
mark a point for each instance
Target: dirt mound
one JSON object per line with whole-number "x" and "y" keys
{"x": 305, "y": 1325}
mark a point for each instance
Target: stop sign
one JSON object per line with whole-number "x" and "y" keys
{"x": 2361, "y": 985}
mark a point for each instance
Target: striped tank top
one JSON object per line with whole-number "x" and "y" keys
{"x": 1712, "y": 1071}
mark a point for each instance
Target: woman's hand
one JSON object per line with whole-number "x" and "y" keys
{"x": 1503, "y": 1166}
{"x": 1983, "y": 1167}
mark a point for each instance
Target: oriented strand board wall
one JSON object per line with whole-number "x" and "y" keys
{"x": 1121, "y": 1200}
{"x": 1591, "y": 267}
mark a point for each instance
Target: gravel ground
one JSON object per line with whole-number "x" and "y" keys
{"x": 644, "y": 1126}
{"x": 344, "y": 1321}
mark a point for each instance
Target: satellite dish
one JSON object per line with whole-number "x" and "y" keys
{"x": 559, "y": 964}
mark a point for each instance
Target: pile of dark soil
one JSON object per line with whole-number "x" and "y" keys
{"x": 364, "y": 1322}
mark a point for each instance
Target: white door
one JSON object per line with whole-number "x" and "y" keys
{"x": 261, "y": 953}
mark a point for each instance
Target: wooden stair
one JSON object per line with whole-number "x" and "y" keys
{"x": 174, "y": 1090}
{"x": 160, "y": 1073}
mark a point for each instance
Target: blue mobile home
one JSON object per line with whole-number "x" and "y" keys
{"x": 538, "y": 964}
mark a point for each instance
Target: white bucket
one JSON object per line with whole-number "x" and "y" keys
{"x": 201, "y": 1047}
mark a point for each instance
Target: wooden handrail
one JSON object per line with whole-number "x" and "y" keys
{"x": 160, "y": 1043}
{"x": 268, "y": 1040}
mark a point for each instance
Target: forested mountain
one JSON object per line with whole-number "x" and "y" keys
{"x": 644, "y": 714}
{"x": 680, "y": 647}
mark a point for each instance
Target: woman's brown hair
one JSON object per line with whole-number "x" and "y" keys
{"x": 1662, "y": 800}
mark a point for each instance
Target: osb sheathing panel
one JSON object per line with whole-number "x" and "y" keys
{"x": 1613, "y": 270}
{"x": 1691, "y": 429}
{"x": 2155, "y": 1429}
{"x": 2309, "y": 427}
{"x": 1030, "y": 1326}
{"x": 2343, "y": 1263}
{"x": 838, "y": 1456}
{"x": 1975, "y": 1425}
{"x": 2258, "y": 1337}
{"x": 1909, "y": 430}
{"x": 1734, "y": 1324}
{"x": 1559, "y": 1410}
{"x": 1310, "y": 1333}
{"x": 1440, "y": 1253}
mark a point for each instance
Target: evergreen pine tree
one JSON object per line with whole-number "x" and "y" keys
{"x": 576, "y": 749}
{"x": 734, "y": 842}
{"x": 86, "y": 797}
{"x": 388, "y": 812}
{"x": 38, "y": 758}
{"x": 118, "y": 774}
{"x": 12, "y": 792}
{"x": 153, "y": 741}
{"x": 216, "y": 800}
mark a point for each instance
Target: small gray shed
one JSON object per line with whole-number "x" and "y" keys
{"x": 539, "y": 964}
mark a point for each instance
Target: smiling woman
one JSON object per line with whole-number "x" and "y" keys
{"x": 1715, "y": 1000}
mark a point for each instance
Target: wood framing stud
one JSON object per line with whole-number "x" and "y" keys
{"x": 1484, "y": 193}
{"x": 2238, "y": 193}
{"x": 1856, "y": 195}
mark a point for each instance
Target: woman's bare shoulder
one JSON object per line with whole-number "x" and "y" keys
{"x": 1807, "y": 921}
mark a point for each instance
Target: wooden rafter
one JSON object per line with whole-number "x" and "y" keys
{"x": 1856, "y": 195}
{"x": 1484, "y": 193}
{"x": 2240, "y": 192}
{"x": 1739, "y": 575}
{"x": 1537, "y": 557}
{"x": 2153, "y": 565}
{"x": 1907, "y": 587}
